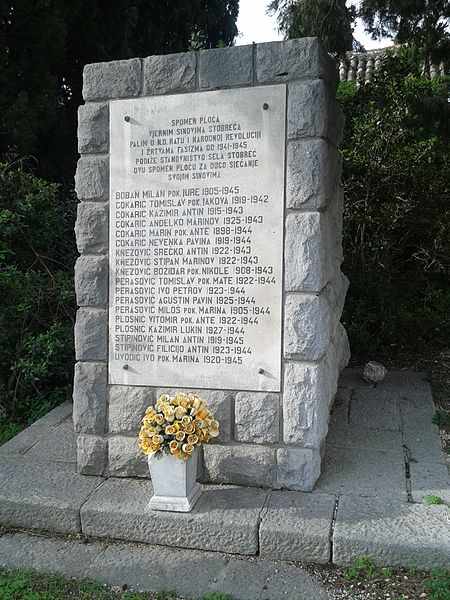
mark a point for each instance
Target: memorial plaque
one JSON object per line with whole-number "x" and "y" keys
{"x": 196, "y": 239}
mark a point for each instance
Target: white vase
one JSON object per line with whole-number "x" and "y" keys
{"x": 174, "y": 482}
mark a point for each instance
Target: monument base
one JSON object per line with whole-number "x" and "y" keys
{"x": 177, "y": 504}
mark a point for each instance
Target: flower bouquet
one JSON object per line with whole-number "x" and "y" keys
{"x": 171, "y": 431}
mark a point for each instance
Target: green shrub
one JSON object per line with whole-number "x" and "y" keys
{"x": 37, "y": 254}
{"x": 396, "y": 213}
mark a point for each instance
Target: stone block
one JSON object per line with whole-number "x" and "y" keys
{"x": 298, "y": 468}
{"x": 392, "y": 533}
{"x": 221, "y": 404}
{"x": 91, "y": 280}
{"x": 93, "y": 128}
{"x": 257, "y": 417}
{"x": 115, "y": 79}
{"x": 223, "y": 520}
{"x": 92, "y": 178}
{"x": 90, "y": 397}
{"x": 342, "y": 346}
{"x": 313, "y": 176}
{"x": 375, "y": 408}
{"x": 313, "y": 112}
{"x": 297, "y": 527}
{"x": 240, "y": 464}
{"x": 91, "y": 228}
{"x": 429, "y": 479}
{"x": 292, "y": 59}
{"x": 127, "y": 406}
{"x": 362, "y": 438}
{"x": 423, "y": 441}
{"x": 312, "y": 251}
{"x": 169, "y": 74}
{"x": 308, "y": 391}
{"x": 92, "y": 451}
{"x": 91, "y": 334}
{"x": 369, "y": 472}
{"x": 225, "y": 67}
{"x": 125, "y": 458}
{"x": 56, "y": 445}
{"x": 35, "y": 494}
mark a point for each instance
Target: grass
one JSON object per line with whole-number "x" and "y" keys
{"x": 438, "y": 585}
{"x": 433, "y": 500}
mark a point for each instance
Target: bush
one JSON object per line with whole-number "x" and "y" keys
{"x": 37, "y": 254}
{"x": 396, "y": 213}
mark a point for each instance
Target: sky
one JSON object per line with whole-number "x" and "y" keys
{"x": 256, "y": 26}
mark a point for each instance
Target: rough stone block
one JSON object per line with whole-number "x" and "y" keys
{"x": 91, "y": 334}
{"x": 313, "y": 112}
{"x": 308, "y": 391}
{"x": 92, "y": 178}
{"x": 93, "y": 128}
{"x": 297, "y": 527}
{"x": 91, "y": 228}
{"x": 226, "y": 67}
{"x": 310, "y": 320}
{"x": 367, "y": 472}
{"x": 115, "y": 79}
{"x": 223, "y": 520}
{"x": 392, "y": 533}
{"x": 311, "y": 251}
{"x": 313, "y": 174}
{"x": 221, "y": 404}
{"x": 257, "y": 417}
{"x": 90, "y": 397}
{"x": 125, "y": 458}
{"x": 91, "y": 280}
{"x": 92, "y": 451}
{"x": 240, "y": 464}
{"x": 169, "y": 73}
{"x": 292, "y": 59}
{"x": 429, "y": 479}
{"x": 35, "y": 494}
{"x": 127, "y": 405}
{"x": 342, "y": 346}
{"x": 298, "y": 468}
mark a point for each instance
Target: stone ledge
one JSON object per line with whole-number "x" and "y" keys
{"x": 225, "y": 519}
{"x": 391, "y": 532}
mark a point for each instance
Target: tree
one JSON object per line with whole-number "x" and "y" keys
{"x": 44, "y": 45}
{"x": 423, "y": 24}
{"x": 329, "y": 20}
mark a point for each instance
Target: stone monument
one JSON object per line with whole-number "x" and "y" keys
{"x": 209, "y": 228}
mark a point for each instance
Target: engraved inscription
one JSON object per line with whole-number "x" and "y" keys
{"x": 196, "y": 239}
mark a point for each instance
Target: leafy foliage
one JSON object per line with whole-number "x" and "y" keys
{"x": 37, "y": 254}
{"x": 329, "y": 20}
{"x": 396, "y": 216}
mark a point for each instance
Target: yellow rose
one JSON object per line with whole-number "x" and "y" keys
{"x": 159, "y": 418}
{"x": 180, "y": 412}
{"x": 186, "y": 420}
{"x": 190, "y": 428}
{"x": 179, "y": 436}
{"x": 170, "y": 430}
{"x": 187, "y": 448}
{"x": 157, "y": 440}
{"x": 192, "y": 439}
{"x": 173, "y": 445}
{"x": 169, "y": 413}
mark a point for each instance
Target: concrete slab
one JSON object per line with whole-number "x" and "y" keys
{"x": 346, "y": 436}
{"x": 57, "y": 415}
{"x": 58, "y": 444}
{"x": 225, "y": 519}
{"x": 297, "y": 526}
{"x": 24, "y": 440}
{"x": 341, "y": 407}
{"x": 50, "y": 555}
{"x": 375, "y": 408}
{"x": 430, "y": 479}
{"x": 363, "y": 473}
{"x": 424, "y": 444}
{"x": 40, "y": 495}
{"x": 193, "y": 573}
{"x": 392, "y": 533}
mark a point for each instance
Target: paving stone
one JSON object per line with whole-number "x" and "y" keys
{"x": 429, "y": 479}
{"x": 340, "y": 409}
{"x": 178, "y": 570}
{"x": 66, "y": 557}
{"x": 225, "y": 67}
{"x": 297, "y": 526}
{"x": 40, "y": 495}
{"x": 225, "y": 519}
{"x": 424, "y": 443}
{"x": 346, "y": 436}
{"x": 169, "y": 73}
{"x": 364, "y": 473}
{"x": 57, "y": 445}
{"x": 375, "y": 409}
{"x": 392, "y": 533}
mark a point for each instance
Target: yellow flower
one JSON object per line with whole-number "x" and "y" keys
{"x": 159, "y": 419}
{"x": 170, "y": 430}
{"x": 179, "y": 436}
{"x": 180, "y": 412}
{"x": 186, "y": 420}
{"x": 187, "y": 448}
{"x": 173, "y": 445}
{"x": 169, "y": 413}
{"x": 192, "y": 439}
{"x": 157, "y": 440}
{"x": 190, "y": 428}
